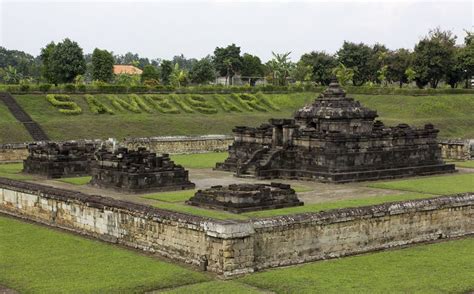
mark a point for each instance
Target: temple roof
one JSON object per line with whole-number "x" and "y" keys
{"x": 332, "y": 103}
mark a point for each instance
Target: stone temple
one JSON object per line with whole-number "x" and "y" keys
{"x": 240, "y": 198}
{"x": 56, "y": 160}
{"x": 137, "y": 171}
{"x": 334, "y": 139}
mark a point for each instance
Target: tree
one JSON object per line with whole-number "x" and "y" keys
{"x": 62, "y": 62}
{"x": 227, "y": 61}
{"x": 10, "y": 75}
{"x": 133, "y": 59}
{"x": 322, "y": 65}
{"x": 356, "y": 57}
{"x": 202, "y": 71}
{"x": 166, "y": 68}
{"x": 46, "y": 67}
{"x": 343, "y": 74}
{"x": 465, "y": 57}
{"x": 280, "y": 67}
{"x": 149, "y": 73}
{"x": 302, "y": 72}
{"x": 23, "y": 63}
{"x": 410, "y": 74}
{"x": 434, "y": 57}
{"x": 398, "y": 62}
{"x": 178, "y": 77}
{"x": 102, "y": 65}
{"x": 183, "y": 62}
{"x": 252, "y": 68}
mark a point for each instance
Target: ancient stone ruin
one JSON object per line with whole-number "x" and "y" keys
{"x": 56, "y": 160}
{"x": 335, "y": 139}
{"x": 137, "y": 171}
{"x": 240, "y": 198}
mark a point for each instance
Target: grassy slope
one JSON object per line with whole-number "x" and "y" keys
{"x": 11, "y": 131}
{"x": 451, "y": 113}
{"x": 36, "y": 259}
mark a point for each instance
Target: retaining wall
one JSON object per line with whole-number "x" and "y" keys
{"x": 457, "y": 149}
{"x": 236, "y": 247}
{"x": 171, "y": 145}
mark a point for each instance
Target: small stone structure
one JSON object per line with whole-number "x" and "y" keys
{"x": 335, "y": 139}
{"x": 240, "y": 198}
{"x": 56, "y": 160}
{"x": 137, "y": 171}
{"x": 459, "y": 149}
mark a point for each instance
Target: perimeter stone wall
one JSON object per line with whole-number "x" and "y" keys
{"x": 160, "y": 145}
{"x": 236, "y": 247}
{"x": 457, "y": 149}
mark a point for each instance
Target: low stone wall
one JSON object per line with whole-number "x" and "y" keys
{"x": 181, "y": 144}
{"x": 13, "y": 152}
{"x": 160, "y": 145}
{"x": 236, "y": 247}
{"x": 457, "y": 149}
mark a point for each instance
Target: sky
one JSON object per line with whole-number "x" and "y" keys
{"x": 160, "y": 29}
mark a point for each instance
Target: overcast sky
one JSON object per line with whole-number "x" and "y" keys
{"x": 163, "y": 29}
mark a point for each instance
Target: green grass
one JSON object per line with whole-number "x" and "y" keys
{"x": 13, "y": 171}
{"x": 452, "y": 114}
{"x": 316, "y": 207}
{"x": 446, "y": 267}
{"x": 215, "y": 287}
{"x": 177, "y": 196}
{"x": 181, "y": 207}
{"x": 35, "y": 259}
{"x": 433, "y": 185}
{"x": 465, "y": 164}
{"x": 199, "y": 160}
{"x": 76, "y": 180}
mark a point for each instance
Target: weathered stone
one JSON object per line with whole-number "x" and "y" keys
{"x": 240, "y": 198}
{"x": 137, "y": 171}
{"x": 335, "y": 139}
{"x": 56, "y": 160}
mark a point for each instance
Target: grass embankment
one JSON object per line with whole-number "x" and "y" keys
{"x": 452, "y": 114}
{"x": 36, "y": 259}
{"x": 13, "y": 171}
{"x": 11, "y": 130}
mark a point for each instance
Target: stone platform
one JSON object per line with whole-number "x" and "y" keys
{"x": 238, "y": 198}
{"x": 56, "y": 160}
{"x": 137, "y": 171}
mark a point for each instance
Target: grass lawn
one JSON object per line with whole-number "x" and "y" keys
{"x": 446, "y": 267}
{"x": 216, "y": 287}
{"x": 200, "y": 160}
{"x": 466, "y": 164}
{"x": 76, "y": 180}
{"x": 35, "y": 259}
{"x": 432, "y": 185}
{"x": 452, "y": 114}
{"x": 13, "y": 171}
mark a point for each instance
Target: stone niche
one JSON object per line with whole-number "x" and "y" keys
{"x": 238, "y": 198}
{"x": 137, "y": 171}
{"x": 56, "y": 160}
{"x": 334, "y": 139}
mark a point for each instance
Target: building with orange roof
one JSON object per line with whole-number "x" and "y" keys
{"x": 120, "y": 69}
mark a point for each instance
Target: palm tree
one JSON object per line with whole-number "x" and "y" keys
{"x": 11, "y": 76}
{"x": 280, "y": 67}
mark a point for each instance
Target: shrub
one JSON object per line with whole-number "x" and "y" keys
{"x": 200, "y": 104}
{"x": 225, "y": 104}
{"x": 180, "y": 102}
{"x": 69, "y": 87}
{"x": 44, "y": 87}
{"x": 107, "y": 88}
{"x": 70, "y": 107}
{"x": 121, "y": 104}
{"x": 97, "y": 107}
{"x": 161, "y": 103}
{"x": 140, "y": 102}
{"x": 264, "y": 99}
{"x": 24, "y": 87}
{"x": 139, "y": 89}
{"x": 82, "y": 88}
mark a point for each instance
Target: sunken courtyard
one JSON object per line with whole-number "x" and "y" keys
{"x": 329, "y": 146}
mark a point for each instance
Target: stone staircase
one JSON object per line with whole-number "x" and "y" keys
{"x": 260, "y": 159}
{"x": 31, "y": 126}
